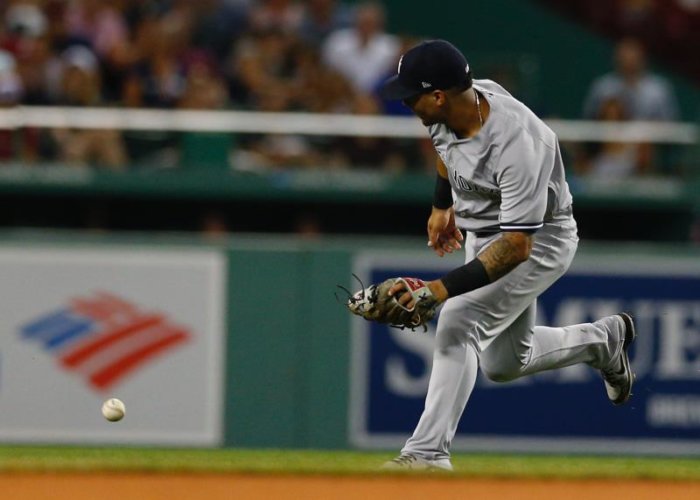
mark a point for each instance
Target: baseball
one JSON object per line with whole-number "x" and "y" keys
{"x": 113, "y": 409}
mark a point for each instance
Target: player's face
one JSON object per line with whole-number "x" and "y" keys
{"x": 425, "y": 107}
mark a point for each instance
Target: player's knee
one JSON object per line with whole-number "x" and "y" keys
{"x": 500, "y": 371}
{"x": 498, "y": 375}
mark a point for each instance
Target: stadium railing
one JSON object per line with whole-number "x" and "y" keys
{"x": 315, "y": 124}
{"x": 321, "y": 184}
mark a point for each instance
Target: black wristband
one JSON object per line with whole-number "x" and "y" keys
{"x": 466, "y": 278}
{"x": 442, "y": 198}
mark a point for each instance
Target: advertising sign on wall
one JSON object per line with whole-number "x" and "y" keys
{"x": 81, "y": 324}
{"x": 562, "y": 410}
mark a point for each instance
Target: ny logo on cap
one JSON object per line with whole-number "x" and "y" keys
{"x": 426, "y": 85}
{"x": 398, "y": 70}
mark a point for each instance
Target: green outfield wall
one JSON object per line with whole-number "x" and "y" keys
{"x": 287, "y": 340}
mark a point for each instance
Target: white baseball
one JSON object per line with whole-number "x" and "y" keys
{"x": 113, "y": 409}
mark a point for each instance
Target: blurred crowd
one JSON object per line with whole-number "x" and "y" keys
{"x": 671, "y": 28}
{"x": 265, "y": 55}
{"x": 629, "y": 92}
{"x": 323, "y": 56}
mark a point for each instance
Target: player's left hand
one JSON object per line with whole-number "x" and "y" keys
{"x": 377, "y": 303}
{"x": 443, "y": 234}
{"x": 405, "y": 293}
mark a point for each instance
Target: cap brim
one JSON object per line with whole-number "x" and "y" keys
{"x": 393, "y": 90}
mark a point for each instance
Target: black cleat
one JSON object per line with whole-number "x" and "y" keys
{"x": 619, "y": 378}
{"x": 408, "y": 461}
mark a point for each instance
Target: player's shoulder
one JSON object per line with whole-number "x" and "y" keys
{"x": 515, "y": 120}
{"x": 491, "y": 87}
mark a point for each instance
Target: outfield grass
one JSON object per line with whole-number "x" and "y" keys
{"x": 89, "y": 459}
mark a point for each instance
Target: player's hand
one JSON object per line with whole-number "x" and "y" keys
{"x": 443, "y": 235}
{"x": 406, "y": 299}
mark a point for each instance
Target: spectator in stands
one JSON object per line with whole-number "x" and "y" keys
{"x": 148, "y": 148}
{"x": 645, "y": 96}
{"x": 320, "y": 18}
{"x": 13, "y": 143}
{"x": 275, "y": 151}
{"x": 100, "y": 24}
{"x": 317, "y": 87}
{"x": 205, "y": 89}
{"x": 365, "y": 53}
{"x": 367, "y": 152}
{"x": 81, "y": 87}
{"x": 11, "y": 88}
{"x": 615, "y": 160}
{"x": 277, "y": 15}
{"x": 219, "y": 24}
{"x": 26, "y": 38}
{"x": 103, "y": 28}
{"x": 263, "y": 67}
{"x": 163, "y": 44}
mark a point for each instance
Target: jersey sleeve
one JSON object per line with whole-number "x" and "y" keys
{"x": 523, "y": 177}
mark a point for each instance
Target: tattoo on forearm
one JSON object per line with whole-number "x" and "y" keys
{"x": 502, "y": 256}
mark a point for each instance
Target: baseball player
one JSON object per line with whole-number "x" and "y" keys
{"x": 500, "y": 178}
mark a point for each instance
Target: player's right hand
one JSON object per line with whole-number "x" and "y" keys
{"x": 443, "y": 234}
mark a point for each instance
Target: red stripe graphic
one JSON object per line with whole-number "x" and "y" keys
{"x": 109, "y": 337}
{"x": 105, "y": 377}
{"x": 104, "y": 306}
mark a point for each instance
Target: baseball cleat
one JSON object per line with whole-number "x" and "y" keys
{"x": 407, "y": 461}
{"x": 619, "y": 378}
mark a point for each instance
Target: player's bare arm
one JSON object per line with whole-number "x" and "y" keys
{"x": 443, "y": 234}
{"x": 500, "y": 258}
{"x": 504, "y": 254}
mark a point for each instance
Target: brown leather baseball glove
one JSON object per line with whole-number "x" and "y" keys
{"x": 375, "y": 304}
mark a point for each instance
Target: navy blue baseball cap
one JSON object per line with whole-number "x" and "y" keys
{"x": 430, "y": 65}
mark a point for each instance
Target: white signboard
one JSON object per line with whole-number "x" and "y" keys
{"x": 79, "y": 325}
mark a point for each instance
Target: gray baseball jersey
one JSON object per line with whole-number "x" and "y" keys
{"x": 510, "y": 176}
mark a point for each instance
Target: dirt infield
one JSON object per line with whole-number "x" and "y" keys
{"x": 240, "y": 487}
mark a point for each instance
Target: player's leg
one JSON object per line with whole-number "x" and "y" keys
{"x": 466, "y": 324}
{"x": 469, "y": 323}
{"x": 454, "y": 372}
{"x": 453, "y": 375}
{"x": 524, "y": 349}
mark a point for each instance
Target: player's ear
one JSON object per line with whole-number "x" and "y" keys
{"x": 439, "y": 97}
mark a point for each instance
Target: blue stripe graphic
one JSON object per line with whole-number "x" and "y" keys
{"x": 47, "y": 323}
{"x": 58, "y": 328}
{"x": 77, "y": 329}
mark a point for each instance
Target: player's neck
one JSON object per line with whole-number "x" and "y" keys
{"x": 468, "y": 115}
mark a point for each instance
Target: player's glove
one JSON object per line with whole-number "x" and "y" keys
{"x": 375, "y": 304}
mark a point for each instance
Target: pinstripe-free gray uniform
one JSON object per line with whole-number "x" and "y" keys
{"x": 509, "y": 177}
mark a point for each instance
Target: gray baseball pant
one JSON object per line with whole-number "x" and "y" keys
{"x": 495, "y": 326}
